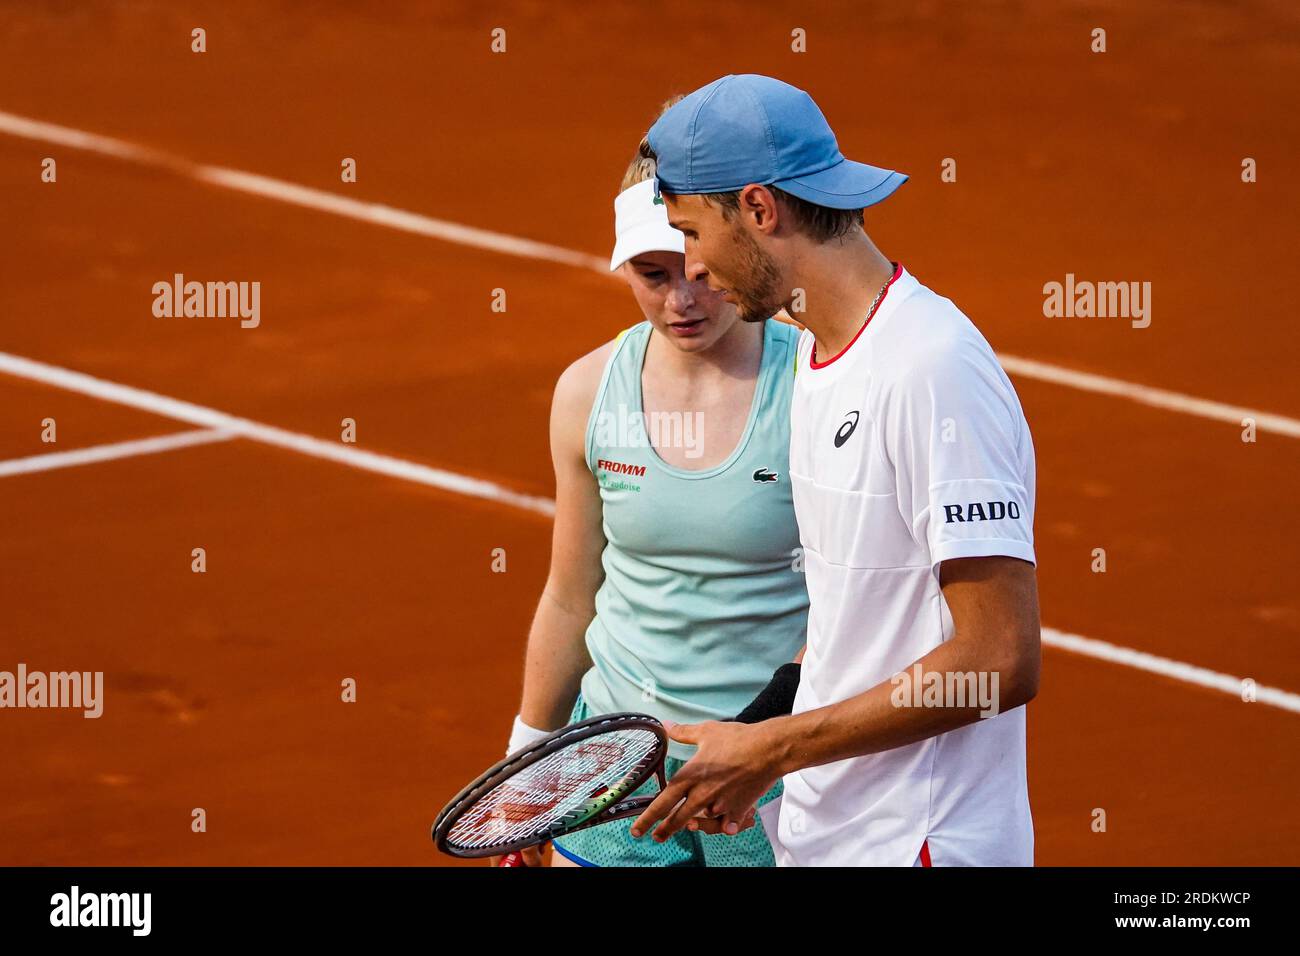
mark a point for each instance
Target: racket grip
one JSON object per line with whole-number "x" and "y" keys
{"x": 513, "y": 859}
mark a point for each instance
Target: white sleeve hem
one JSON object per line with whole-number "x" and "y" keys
{"x": 984, "y": 548}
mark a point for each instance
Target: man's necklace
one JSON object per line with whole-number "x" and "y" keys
{"x": 870, "y": 312}
{"x": 876, "y": 301}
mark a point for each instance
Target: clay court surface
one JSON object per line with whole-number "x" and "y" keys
{"x": 222, "y": 688}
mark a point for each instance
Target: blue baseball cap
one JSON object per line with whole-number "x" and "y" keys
{"x": 755, "y": 129}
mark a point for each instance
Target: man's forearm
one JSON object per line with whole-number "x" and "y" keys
{"x": 872, "y": 721}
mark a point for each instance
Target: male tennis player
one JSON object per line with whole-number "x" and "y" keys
{"x": 913, "y": 474}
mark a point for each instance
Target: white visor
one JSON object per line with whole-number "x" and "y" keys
{"x": 641, "y": 225}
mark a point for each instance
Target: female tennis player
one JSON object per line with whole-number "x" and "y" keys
{"x": 673, "y": 586}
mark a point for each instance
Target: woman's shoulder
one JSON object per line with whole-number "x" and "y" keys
{"x": 784, "y": 334}
{"x": 576, "y": 388}
{"x": 785, "y": 331}
{"x": 789, "y": 336}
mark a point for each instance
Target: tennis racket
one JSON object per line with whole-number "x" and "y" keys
{"x": 579, "y": 776}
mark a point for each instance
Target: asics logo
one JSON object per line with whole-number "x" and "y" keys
{"x": 845, "y": 430}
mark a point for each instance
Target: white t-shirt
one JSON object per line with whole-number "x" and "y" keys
{"x": 907, "y": 449}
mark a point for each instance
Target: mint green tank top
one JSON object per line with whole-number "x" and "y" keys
{"x": 701, "y": 600}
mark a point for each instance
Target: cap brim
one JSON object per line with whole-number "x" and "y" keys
{"x": 846, "y": 185}
{"x": 648, "y": 237}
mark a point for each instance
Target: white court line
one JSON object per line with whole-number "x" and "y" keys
{"x": 350, "y": 455}
{"x": 280, "y": 190}
{"x": 232, "y": 426}
{"x": 1146, "y": 395}
{"x": 122, "y": 449}
{"x": 286, "y": 192}
{"x": 1166, "y": 667}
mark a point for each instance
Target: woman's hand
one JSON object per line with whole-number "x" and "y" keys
{"x": 532, "y": 856}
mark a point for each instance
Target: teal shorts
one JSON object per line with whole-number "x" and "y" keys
{"x": 612, "y": 844}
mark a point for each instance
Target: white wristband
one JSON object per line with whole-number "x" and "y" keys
{"x": 521, "y": 735}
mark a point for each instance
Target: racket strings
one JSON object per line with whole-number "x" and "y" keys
{"x": 564, "y": 787}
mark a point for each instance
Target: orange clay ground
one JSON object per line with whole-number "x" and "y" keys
{"x": 223, "y": 687}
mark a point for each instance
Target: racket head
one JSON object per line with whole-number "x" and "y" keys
{"x": 553, "y": 786}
